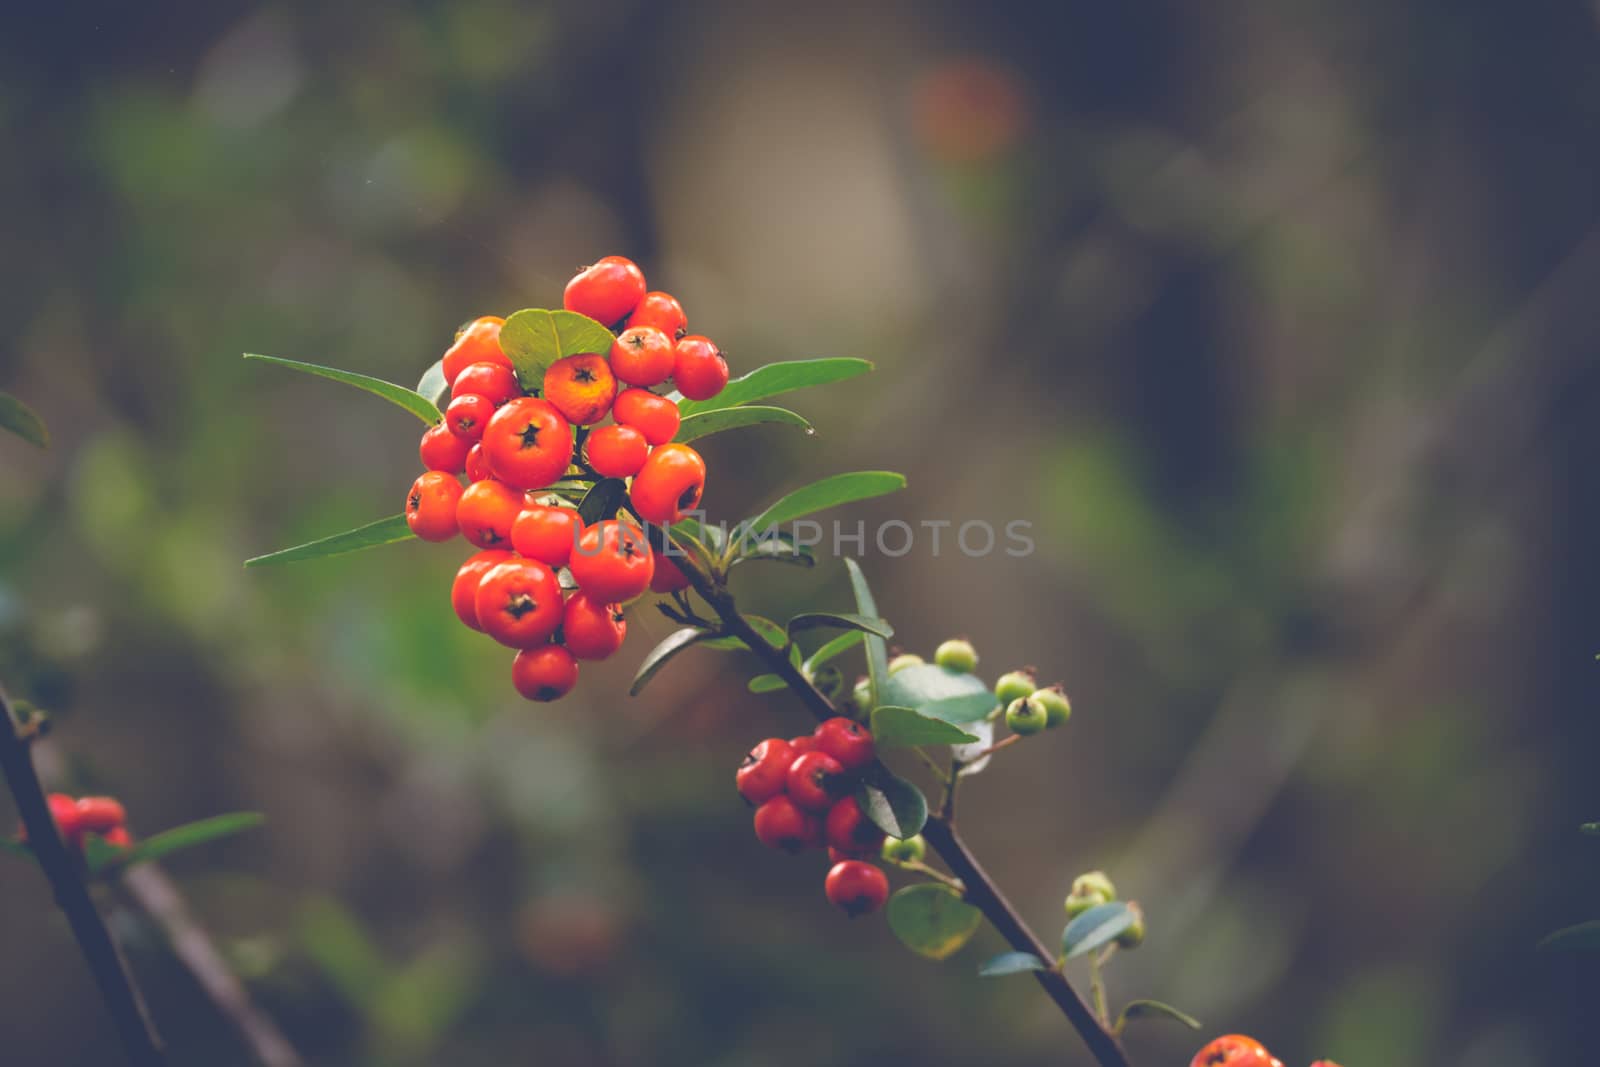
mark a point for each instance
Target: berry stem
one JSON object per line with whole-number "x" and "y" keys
{"x": 918, "y": 867}
{"x": 992, "y": 749}
{"x": 134, "y": 1028}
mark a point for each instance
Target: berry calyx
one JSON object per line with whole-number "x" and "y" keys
{"x": 765, "y": 770}
{"x": 957, "y": 654}
{"x": 907, "y": 850}
{"x": 467, "y": 415}
{"x": 607, "y": 291}
{"x": 546, "y": 533}
{"x": 431, "y": 506}
{"x": 616, "y": 451}
{"x": 670, "y": 483}
{"x": 846, "y": 741}
{"x": 519, "y": 603}
{"x": 486, "y": 511}
{"x": 545, "y": 673}
{"x": 592, "y": 630}
{"x": 1057, "y": 708}
{"x": 856, "y": 888}
{"x": 464, "y": 590}
{"x": 1014, "y": 685}
{"x": 815, "y": 780}
{"x": 1025, "y": 716}
{"x": 848, "y": 829}
{"x": 1233, "y": 1050}
{"x": 651, "y": 414}
{"x": 698, "y": 368}
{"x": 494, "y": 381}
{"x": 528, "y": 443}
{"x": 478, "y": 342}
{"x": 442, "y": 450}
{"x": 643, "y": 356}
{"x": 662, "y": 311}
{"x": 612, "y": 561}
{"x": 581, "y": 387}
{"x": 781, "y": 824}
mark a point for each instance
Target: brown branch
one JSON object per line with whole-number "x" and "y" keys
{"x": 134, "y": 1029}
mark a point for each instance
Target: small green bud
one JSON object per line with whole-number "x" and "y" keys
{"x": 1026, "y": 715}
{"x": 956, "y": 654}
{"x": 1014, "y": 685}
{"x": 1094, "y": 884}
{"x": 904, "y": 660}
{"x": 1133, "y": 936}
{"x": 911, "y": 850}
{"x": 1056, "y": 705}
{"x": 861, "y": 696}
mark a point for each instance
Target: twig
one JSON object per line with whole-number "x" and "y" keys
{"x": 134, "y": 1029}
{"x": 992, "y": 749}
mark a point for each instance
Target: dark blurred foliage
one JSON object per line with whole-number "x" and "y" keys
{"x": 1275, "y": 318}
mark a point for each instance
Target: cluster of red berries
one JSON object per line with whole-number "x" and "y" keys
{"x": 546, "y": 583}
{"x": 102, "y": 816}
{"x": 802, "y": 792}
{"x": 1237, "y": 1050}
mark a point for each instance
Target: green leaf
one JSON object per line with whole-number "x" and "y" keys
{"x": 775, "y": 634}
{"x": 928, "y": 686}
{"x": 829, "y": 493}
{"x": 383, "y": 532}
{"x": 189, "y": 835}
{"x": 399, "y": 395}
{"x": 1154, "y": 1009}
{"x": 432, "y": 387}
{"x": 833, "y": 649}
{"x": 1098, "y": 926}
{"x": 694, "y": 427}
{"x": 894, "y": 727}
{"x": 816, "y": 620}
{"x": 1582, "y": 937}
{"x": 766, "y": 683}
{"x": 674, "y": 643}
{"x": 1012, "y": 963}
{"x": 894, "y": 805}
{"x": 534, "y": 338}
{"x": 602, "y": 500}
{"x": 877, "y": 650}
{"x": 972, "y": 707}
{"x": 779, "y": 551}
{"x": 775, "y": 379}
{"x": 21, "y": 420}
{"x": 932, "y": 920}
{"x": 1591, "y": 828}
{"x": 15, "y": 848}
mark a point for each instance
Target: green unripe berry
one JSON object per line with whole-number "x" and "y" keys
{"x": 904, "y": 660}
{"x": 1133, "y": 936}
{"x": 1014, "y": 685}
{"x": 1077, "y": 905}
{"x": 1094, "y": 884}
{"x": 861, "y": 696}
{"x": 956, "y": 654}
{"x": 1057, "y": 708}
{"x": 1026, "y": 715}
{"x": 911, "y": 850}
{"x": 828, "y": 680}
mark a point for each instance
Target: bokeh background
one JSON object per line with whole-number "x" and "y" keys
{"x": 1275, "y": 319}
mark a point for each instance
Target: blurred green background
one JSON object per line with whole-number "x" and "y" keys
{"x": 1275, "y": 319}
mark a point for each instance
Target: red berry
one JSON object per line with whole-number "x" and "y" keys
{"x": 1233, "y": 1050}
{"x": 803, "y": 744}
{"x": 101, "y": 814}
{"x": 662, "y": 311}
{"x": 765, "y": 770}
{"x": 856, "y": 888}
{"x": 616, "y": 451}
{"x": 668, "y": 578}
{"x": 850, "y": 831}
{"x": 118, "y": 837}
{"x": 467, "y": 415}
{"x": 815, "y": 780}
{"x": 780, "y": 824}
{"x": 581, "y": 387}
{"x": 651, "y": 414}
{"x": 699, "y": 368}
{"x": 496, "y": 381}
{"x": 545, "y": 673}
{"x": 592, "y": 630}
{"x": 68, "y": 820}
{"x": 477, "y": 462}
{"x": 431, "y": 506}
{"x": 486, "y": 511}
{"x": 612, "y": 561}
{"x": 607, "y": 292}
{"x": 642, "y": 355}
{"x": 670, "y": 483}
{"x": 546, "y": 534}
{"x": 442, "y": 450}
{"x": 528, "y": 443}
{"x": 846, "y": 741}
{"x": 478, "y": 342}
{"x": 519, "y": 603}
{"x": 464, "y": 590}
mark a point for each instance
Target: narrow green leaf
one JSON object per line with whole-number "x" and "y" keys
{"x": 602, "y": 500}
{"x": 816, "y": 620}
{"x": 432, "y": 387}
{"x": 535, "y": 338}
{"x": 766, "y": 683}
{"x": 925, "y": 684}
{"x": 383, "y": 532}
{"x": 694, "y": 427}
{"x": 829, "y": 493}
{"x": 399, "y": 395}
{"x": 932, "y": 920}
{"x": 894, "y": 805}
{"x": 877, "y": 649}
{"x": 1154, "y": 1009}
{"x": 894, "y": 727}
{"x": 674, "y": 643}
{"x": 189, "y": 835}
{"x": 776, "y": 379}
{"x": 1096, "y": 927}
{"x": 833, "y": 649}
{"x": 1582, "y": 937}
{"x": 23, "y": 421}
{"x": 1012, "y": 963}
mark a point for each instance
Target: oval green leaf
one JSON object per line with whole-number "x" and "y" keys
{"x": 1582, "y": 937}
{"x": 187, "y": 836}
{"x": 932, "y": 920}
{"x": 829, "y": 493}
{"x": 1154, "y": 1009}
{"x": 694, "y": 427}
{"x": 893, "y": 804}
{"x": 535, "y": 338}
{"x": 1012, "y": 963}
{"x": 674, "y": 643}
{"x": 602, "y": 500}
{"x": 973, "y": 707}
{"x": 776, "y": 379}
{"x": 398, "y": 395}
{"x": 894, "y": 727}
{"x": 383, "y": 532}
{"x": 23, "y": 421}
{"x": 775, "y": 634}
{"x": 816, "y": 620}
{"x": 925, "y": 686}
{"x": 766, "y": 683}
{"x": 833, "y": 649}
{"x": 1096, "y": 927}
{"x": 432, "y": 387}
{"x": 877, "y": 649}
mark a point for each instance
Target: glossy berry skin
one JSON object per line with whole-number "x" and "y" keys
{"x": 662, "y": 311}
{"x": 670, "y": 483}
{"x": 850, "y": 831}
{"x": 803, "y": 744}
{"x": 699, "y": 368}
{"x": 442, "y": 450}
{"x": 815, "y": 781}
{"x": 486, "y": 512}
{"x": 519, "y": 603}
{"x": 612, "y": 562}
{"x": 1057, "y": 708}
{"x": 581, "y": 388}
{"x": 616, "y": 451}
{"x": 651, "y": 414}
{"x": 1026, "y": 716}
{"x": 668, "y": 578}
{"x": 1014, "y": 685}
{"x": 643, "y": 355}
{"x": 467, "y": 415}
{"x": 101, "y": 814}
{"x": 479, "y": 342}
{"x": 782, "y": 824}
{"x": 496, "y": 382}
{"x": 607, "y": 291}
{"x": 477, "y": 462}
{"x": 765, "y": 771}
{"x": 464, "y": 590}
{"x": 592, "y": 630}
{"x": 1233, "y": 1050}
{"x": 431, "y": 506}
{"x": 545, "y": 673}
{"x": 846, "y": 741}
{"x": 68, "y": 820}
{"x": 528, "y": 443}
{"x": 956, "y": 654}
{"x": 904, "y": 850}
{"x": 546, "y": 534}
{"x": 856, "y": 887}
